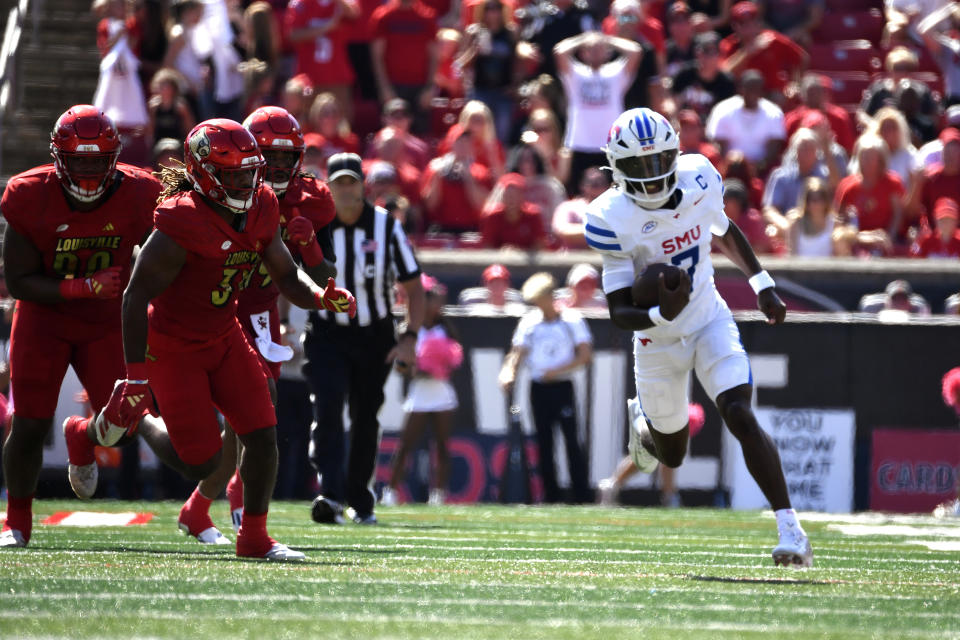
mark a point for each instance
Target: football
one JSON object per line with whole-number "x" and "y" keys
{"x": 646, "y": 291}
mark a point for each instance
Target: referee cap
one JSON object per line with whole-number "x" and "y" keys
{"x": 344, "y": 164}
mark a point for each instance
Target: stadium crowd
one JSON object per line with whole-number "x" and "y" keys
{"x": 481, "y": 121}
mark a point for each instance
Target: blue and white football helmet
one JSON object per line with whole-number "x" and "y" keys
{"x": 642, "y": 150}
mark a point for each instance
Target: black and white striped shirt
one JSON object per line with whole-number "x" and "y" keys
{"x": 371, "y": 255}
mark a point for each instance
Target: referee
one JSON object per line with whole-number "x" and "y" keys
{"x": 350, "y": 358}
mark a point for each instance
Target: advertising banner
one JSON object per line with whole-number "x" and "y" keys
{"x": 816, "y": 451}
{"x": 912, "y": 470}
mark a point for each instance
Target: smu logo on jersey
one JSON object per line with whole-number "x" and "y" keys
{"x": 678, "y": 242}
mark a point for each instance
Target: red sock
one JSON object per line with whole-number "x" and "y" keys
{"x": 20, "y": 515}
{"x": 79, "y": 446}
{"x": 252, "y": 539}
{"x": 195, "y": 512}
{"x": 235, "y": 491}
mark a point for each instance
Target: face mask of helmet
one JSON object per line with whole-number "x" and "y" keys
{"x": 88, "y": 174}
{"x": 649, "y": 179}
{"x": 239, "y": 186}
{"x": 281, "y": 166}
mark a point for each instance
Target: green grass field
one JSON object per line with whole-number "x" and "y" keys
{"x": 486, "y": 572}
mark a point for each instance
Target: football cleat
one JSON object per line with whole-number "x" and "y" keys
{"x": 11, "y": 539}
{"x": 389, "y": 497}
{"x": 83, "y": 477}
{"x": 282, "y": 553}
{"x": 210, "y": 535}
{"x": 326, "y": 511}
{"x": 607, "y": 492}
{"x": 370, "y": 518}
{"x": 236, "y": 516}
{"x": 794, "y": 548}
{"x": 948, "y": 509}
{"x": 645, "y": 461}
{"x": 437, "y": 497}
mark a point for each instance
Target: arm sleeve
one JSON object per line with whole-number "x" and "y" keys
{"x": 404, "y": 260}
{"x": 12, "y": 208}
{"x": 618, "y": 272}
{"x": 719, "y": 222}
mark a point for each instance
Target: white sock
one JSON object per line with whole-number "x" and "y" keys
{"x": 787, "y": 518}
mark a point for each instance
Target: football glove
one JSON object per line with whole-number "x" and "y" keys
{"x": 102, "y": 284}
{"x": 335, "y": 299}
{"x": 130, "y": 399}
{"x": 300, "y": 231}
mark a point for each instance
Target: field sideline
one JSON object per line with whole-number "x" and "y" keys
{"x": 487, "y": 572}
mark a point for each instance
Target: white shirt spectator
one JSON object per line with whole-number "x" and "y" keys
{"x": 594, "y": 100}
{"x": 746, "y": 131}
{"x": 817, "y": 245}
{"x": 551, "y": 344}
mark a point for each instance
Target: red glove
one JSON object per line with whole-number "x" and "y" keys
{"x": 300, "y": 231}
{"x": 102, "y": 284}
{"x": 336, "y": 300}
{"x": 130, "y": 398}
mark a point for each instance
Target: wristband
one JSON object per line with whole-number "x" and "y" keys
{"x": 760, "y": 281}
{"x": 658, "y": 320}
{"x": 137, "y": 373}
{"x": 312, "y": 254}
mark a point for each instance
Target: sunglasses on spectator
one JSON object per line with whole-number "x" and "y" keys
{"x": 816, "y": 195}
{"x": 544, "y": 128}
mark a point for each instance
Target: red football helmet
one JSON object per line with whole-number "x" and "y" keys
{"x": 281, "y": 143}
{"x": 224, "y": 163}
{"x": 85, "y": 147}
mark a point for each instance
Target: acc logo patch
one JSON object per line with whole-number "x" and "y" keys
{"x": 226, "y": 245}
{"x": 650, "y": 226}
{"x": 200, "y": 144}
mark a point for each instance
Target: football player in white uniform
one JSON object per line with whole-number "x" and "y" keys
{"x": 668, "y": 209}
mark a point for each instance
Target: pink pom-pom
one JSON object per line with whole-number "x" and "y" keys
{"x": 438, "y": 356}
{"x": 696, "y": 418}
{"x": 951, "y": 389}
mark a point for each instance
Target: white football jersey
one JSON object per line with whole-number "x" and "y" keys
{"x": 631, "y": 237}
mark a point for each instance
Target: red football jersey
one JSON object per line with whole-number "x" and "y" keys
{"x": 307, "y": 197}
{"x": 75, "y": 244}
{"x": 200, "y": 306}
{"x": 324, "y": 58}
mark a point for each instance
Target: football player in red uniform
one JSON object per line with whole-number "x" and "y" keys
{"x": 213, "y": 230}
{"x": 306, "y": 208}
{"x": 71, "y": 229}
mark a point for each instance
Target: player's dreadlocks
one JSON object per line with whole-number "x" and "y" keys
{"x": 174, "y": 179}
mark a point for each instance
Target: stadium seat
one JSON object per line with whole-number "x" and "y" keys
{"x": 851, "y": 25}
{"x": 846, "y": 55}
{"x": 848, "y": 86}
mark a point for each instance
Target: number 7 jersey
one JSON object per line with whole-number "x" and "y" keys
{"x": 630, "y": 238}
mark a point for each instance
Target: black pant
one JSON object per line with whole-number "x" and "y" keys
{"x": 347, "y": 362}
{"x": 294, "y": 417}
{"x": 553, "y": 402}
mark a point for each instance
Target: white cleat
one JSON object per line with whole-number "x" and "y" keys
{"x": 83, "y": 478}
{"x": 794, "y": 549}
{"x": 210, "y": 535}
{"x": 607, "y": 491}
{"x": 645, "y": 461}
{"x": 948, "y": 509}
{"x": 12, "y": 539}
{"x": 282, "y": 553}
{"x": 389, "y": 497}
{"x": 236, "y": 516}
{"x": 437, "y": 497}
